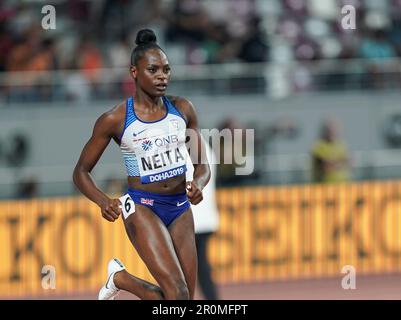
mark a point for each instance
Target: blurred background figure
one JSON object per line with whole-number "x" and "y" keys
{"x": 226, "y": 175}
{"x": 206, "y": 220}
{"x": 115, "y": 187}
{"x": 27, "y": 188}
{"x": 330, "y": 160}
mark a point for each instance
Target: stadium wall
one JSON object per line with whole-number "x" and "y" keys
{"x": 266, "y": 234}
{"x": 56, "y": 134}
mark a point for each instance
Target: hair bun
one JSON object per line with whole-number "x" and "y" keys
{"x": 145, "y": 36}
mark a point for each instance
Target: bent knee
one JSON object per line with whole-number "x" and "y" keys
{"x": 181, "y": 292}
{"x": 153, "y": 292}
{"x": 176, "y": 291}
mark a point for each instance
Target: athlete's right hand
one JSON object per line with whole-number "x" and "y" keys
{"x": 111, "y": 209}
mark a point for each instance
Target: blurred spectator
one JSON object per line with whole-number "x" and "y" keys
{"x": 120, "y": 57}
{"x": 128, "y": 86}
{"x": 187, "y": 22}
{"x": 377, "y": 46}
{"x": 306, "y": 49}
{"x": 114, "y": 187}
{"x": 120, "y": 52}
{"x": 90, "y": 63}
{"x": 215, "y": 44}
{"x": 254, "y": 47}
{"x": 226, "y": 171}
{"x": 25, "y": 47}
{"x": 200, "y": 31}
{"x": 6, "y": 45}
{"x": 112, "y": 17}
{"x": 90, "y": 60}
{"x": 27, "y": 188}
{"x": 78, "y": 10}
{"x": 44, "y": 60}
{"x": 236, "y": 14}
{"x": 76, "y": 86}
{"x": 395, "y": 36}
{"x": 34, "y": 55}
{"x": 19, "y": 150}
{"x": 330, "y": 161}
{"x": 327, "y": 9}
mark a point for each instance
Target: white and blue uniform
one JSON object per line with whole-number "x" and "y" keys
{"x": 156, "y": 151}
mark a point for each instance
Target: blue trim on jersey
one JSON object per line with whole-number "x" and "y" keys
{"x": 167, "y": 207}
{"x": 130, "y": 116}
{"x": 131, "y": 165}
{"x": 173, "y": 109}
{"x": 130, "y": 160}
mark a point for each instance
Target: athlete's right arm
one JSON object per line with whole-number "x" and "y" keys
{"x": 94, "y": 148}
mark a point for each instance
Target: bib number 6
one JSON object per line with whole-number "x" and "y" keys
{"x": 128, "y": 205}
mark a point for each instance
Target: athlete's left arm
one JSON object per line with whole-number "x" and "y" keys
{"x": 196, "y": 150}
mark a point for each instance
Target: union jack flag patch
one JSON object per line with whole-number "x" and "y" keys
{"x": 147, "y": 201}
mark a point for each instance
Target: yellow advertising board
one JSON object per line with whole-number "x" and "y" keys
{"x": 266, "y": 233}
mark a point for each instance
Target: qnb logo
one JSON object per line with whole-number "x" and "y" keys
{"x": 147, "y": 145}
{"x": 159, "y": 142}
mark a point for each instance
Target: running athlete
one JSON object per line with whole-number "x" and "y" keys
{"x": 151, "y": 130}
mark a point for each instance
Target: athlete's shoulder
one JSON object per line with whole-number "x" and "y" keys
{"x": 184, "y": 105}
{"x": 180, "y": 102}
{"x": 116, "y": 113}
{"x": 112, "y": 118}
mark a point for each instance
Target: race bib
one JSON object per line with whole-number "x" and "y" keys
{"x": 161, "y": 157}
{"x": 127, "y": 205}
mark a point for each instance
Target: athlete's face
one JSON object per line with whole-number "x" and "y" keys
{"x": 152, "y": 73}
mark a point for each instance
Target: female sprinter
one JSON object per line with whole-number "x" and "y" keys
{"x": 152, "y": 131}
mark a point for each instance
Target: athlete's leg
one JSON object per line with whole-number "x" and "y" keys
{"x": 154, "y": 245}
{"x": 141, "y": 288}
{"x": 182, "y": 233}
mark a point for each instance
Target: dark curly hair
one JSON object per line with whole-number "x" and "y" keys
{"x": 145, "y": 40}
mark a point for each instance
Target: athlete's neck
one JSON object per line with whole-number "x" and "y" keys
{"x": 147, "y": 102}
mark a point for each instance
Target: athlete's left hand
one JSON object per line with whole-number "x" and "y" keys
{"x": 194, "y": 193}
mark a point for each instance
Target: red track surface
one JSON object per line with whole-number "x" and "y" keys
{"x": 367, "y": 287}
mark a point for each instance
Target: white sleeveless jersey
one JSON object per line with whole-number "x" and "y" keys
{"x": 154, "y": 151}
